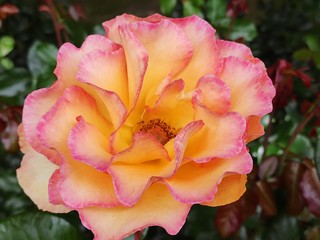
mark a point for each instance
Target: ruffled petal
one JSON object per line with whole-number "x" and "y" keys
{"x": 239, "y": 50}
{"x": 215, "y": 94}
{"x": 205, "y": 59}
{"x": 87, "y": 144}
{"x": 54, "y": 194}
{"x": 81, "y": 186}
{"x": 180, "y": 141}
{"x": 106, "y": 70}
{"x": 33, "y": 176}
{"x": 112, "y": 26}
{"x": 121, "y": 139}
{"x": 68, "y": 59}
{"x": 230, "y": 189}
{"x": 169, "y": 51}
{"x": 203, "y": 178}
{"x": 54, "y": 127}
{"x": 221, "y": 136}
{"x": 111, "y": 104}
{"x": 251, "y": 88}
{"x": 37, "y": 104}
{"x": 134, "y": 169}
{"x": 156, "y": 207}
{"x": 137, "y": 61}
{"x": 98, "y": 42}
{"x": 173, "y": 106}
{"x": 254, "y": 128}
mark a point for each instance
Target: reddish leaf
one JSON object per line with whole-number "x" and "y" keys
{"x": 3, "y": 125}
{"x": 9, "y": 136}
{"x": 237, "y": 7}
{"x": 7, "y": 10}
{"x": 310, "y": 186}
{"x": 249, "y": 203}
{"x": 268, "y": 167}
{"x": 228, "y": 219}
{"x": 266, "y": 198}
{"x": 291, "y": 177}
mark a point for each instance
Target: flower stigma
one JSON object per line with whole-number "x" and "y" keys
{"x": 158, "y": 128}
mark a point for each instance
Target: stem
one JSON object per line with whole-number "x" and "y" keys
{"x": 314, "y": 109}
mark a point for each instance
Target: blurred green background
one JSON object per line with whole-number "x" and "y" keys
{"x": 283, "y": 197}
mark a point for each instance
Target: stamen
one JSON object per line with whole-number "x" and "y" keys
{"x": 162, "y": 131}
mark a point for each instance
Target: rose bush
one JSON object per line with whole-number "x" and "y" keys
{"x": 143, "y": 123}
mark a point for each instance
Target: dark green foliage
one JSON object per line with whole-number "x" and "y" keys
{"x": 37, "y": 226}
{"x": 282, "y": 201}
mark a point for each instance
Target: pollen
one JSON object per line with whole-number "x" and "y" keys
{"x": 162, "y": 131}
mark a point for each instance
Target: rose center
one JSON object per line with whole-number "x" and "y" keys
{"x": 162, "y": 131}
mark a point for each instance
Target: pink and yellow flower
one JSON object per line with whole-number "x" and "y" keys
{"x": 143, "y": 123}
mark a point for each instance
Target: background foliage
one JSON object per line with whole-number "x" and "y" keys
{"x": 283, "y": 197}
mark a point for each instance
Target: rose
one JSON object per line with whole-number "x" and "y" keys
{"x": 143, "y": 123}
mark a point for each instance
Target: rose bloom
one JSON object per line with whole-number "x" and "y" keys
{"x": 143, "y": 123}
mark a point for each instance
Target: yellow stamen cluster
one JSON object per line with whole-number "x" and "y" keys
{"x": 162, "y": 131}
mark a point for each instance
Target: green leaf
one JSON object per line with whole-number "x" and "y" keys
{"x": 8, "y": 182}
{"x": 190, "y": 9}
{"x": 313, "y": 42}
{"x": 41, "y": 56}
{"x": 282, "y": 227}
{"x": 47, "y": 53}
{"x": 316, "y": 59}
{"x": 302, "y": 147}
{"x": 6, "y": 63}
{"x": 6, "y": 45}
{"x": 13, "y": 82}
{"x": 243, "y": 29}
{"x": 303, "y": 54}
{"x": 37, "y": 226}
{"x": 167, "y": 6}
{"x": 41, "y": 63}
{"x": 216, "y": 11}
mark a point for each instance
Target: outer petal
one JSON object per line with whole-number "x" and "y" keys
{"x": 155, "y": 208}
{"x": 197, "y": 182}
{"x": 215, "y": 94}
{"x": 247, "y": 83}
{"x": 36, "y": 104}
{"x": 112, "y": 26}
{"x": 239, "y": 50}
{"x": 173, "y": 107}
{"x": 205, "y": 59}
{"x": 33, "y": 176}
{"x": 98, "y": 42}
{"x": 134, "y": 169}
{"x": 87, "y": 144}
{"x": 69, "y": 57}
{"x": 107, "y": 70}
{"x": 221, "y": 137}
{"x": 55, "y": 125}
{"x": 81, "y": 186}
{"x": 230, "y": 189}
{"x": 254, "y": 128}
